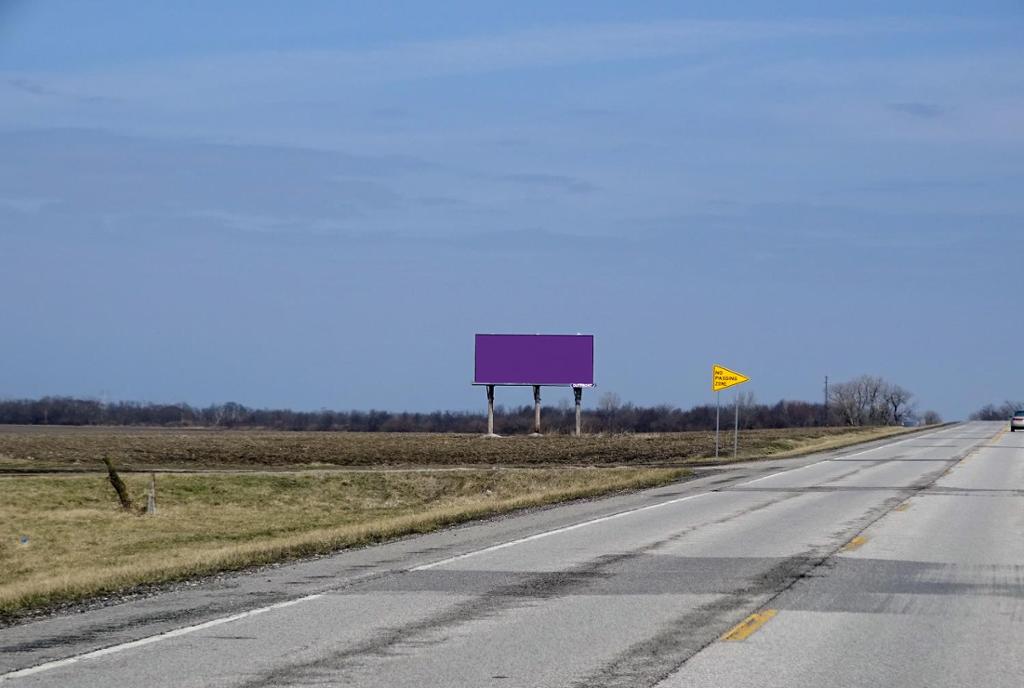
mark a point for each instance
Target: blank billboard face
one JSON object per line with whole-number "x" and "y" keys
{"x": 534, "y": 359}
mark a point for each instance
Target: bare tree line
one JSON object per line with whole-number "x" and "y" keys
{"x": 611, "y": 415}
{"x": 870, "y": 400}
{"x": 863, "y": 401}
{"x": 997, "y": 412}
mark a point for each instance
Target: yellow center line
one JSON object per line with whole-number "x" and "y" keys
{"x": 902, "y": 507}
{"x": 746, "y": 628}
{"x": 855, "y": 543}
{"x": 999, "y": 436}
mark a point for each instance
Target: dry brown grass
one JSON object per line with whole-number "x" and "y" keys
{"x": 40, "y": 447}
{"x": 81, "y": 544}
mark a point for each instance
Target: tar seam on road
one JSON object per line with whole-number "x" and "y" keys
{"x": 153, "y": 638}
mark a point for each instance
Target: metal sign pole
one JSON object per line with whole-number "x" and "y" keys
{"x": 718, "y": 418}
{"x": 736, "y": 428}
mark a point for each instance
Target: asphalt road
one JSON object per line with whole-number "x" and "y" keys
{"x": 898, "y": 563}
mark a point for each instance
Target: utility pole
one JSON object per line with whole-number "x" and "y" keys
{"x": 825, "y": 422}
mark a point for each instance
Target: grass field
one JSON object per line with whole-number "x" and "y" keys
{"x": 81, "y": 544}
{"x": 231, "y": 499}
{"x": 48, "y": 447}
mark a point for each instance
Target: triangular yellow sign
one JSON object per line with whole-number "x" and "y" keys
{"x": 723, "y": 378}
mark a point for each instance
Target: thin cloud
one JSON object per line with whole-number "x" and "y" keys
{"x": 39, "y": 88}
{"x": 98, "y": 172}
{"x": 169, "y": 80}
{"x": 27, "y": 206}
{"x": 550, "y": 182}
{"x": 919, "y": 109}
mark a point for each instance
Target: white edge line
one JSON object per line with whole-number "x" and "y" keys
{"x": 842, "y": 456}
{"x": 556, "y": 531}
{"x": 788, "y": 470}
{"x": 565, "y": 529}
{"x": 153, "y": 638}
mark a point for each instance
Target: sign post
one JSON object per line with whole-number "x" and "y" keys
{"x": 718, "y": 417}
{"x": 723, "y": 378}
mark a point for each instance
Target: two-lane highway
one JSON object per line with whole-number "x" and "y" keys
{"x": 899, "y": 563}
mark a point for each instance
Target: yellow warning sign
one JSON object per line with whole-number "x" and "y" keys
{"x": 723, "y": 378}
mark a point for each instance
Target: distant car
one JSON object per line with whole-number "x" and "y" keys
{"x": 1017, "y": 422}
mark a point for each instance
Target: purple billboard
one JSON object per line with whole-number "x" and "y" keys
{"x": 534, "y": 359}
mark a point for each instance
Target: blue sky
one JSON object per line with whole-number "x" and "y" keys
{"x": 212, "y": 201}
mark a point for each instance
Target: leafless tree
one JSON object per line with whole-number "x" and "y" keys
{"x": 1000, "y": 412}
{"x": 746, "y": 400}
{"x": 899, "y": 404}
{"x": 869, "y": 400}
{"x": 608, "y": 409}
{"x": 846, "y": 402}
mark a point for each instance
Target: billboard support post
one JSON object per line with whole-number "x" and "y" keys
{"x": 578, "y": 393}
{"x": 490, "y": 410}
{"x": 718, "y": 418}
{"x": 536, "y": 409}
